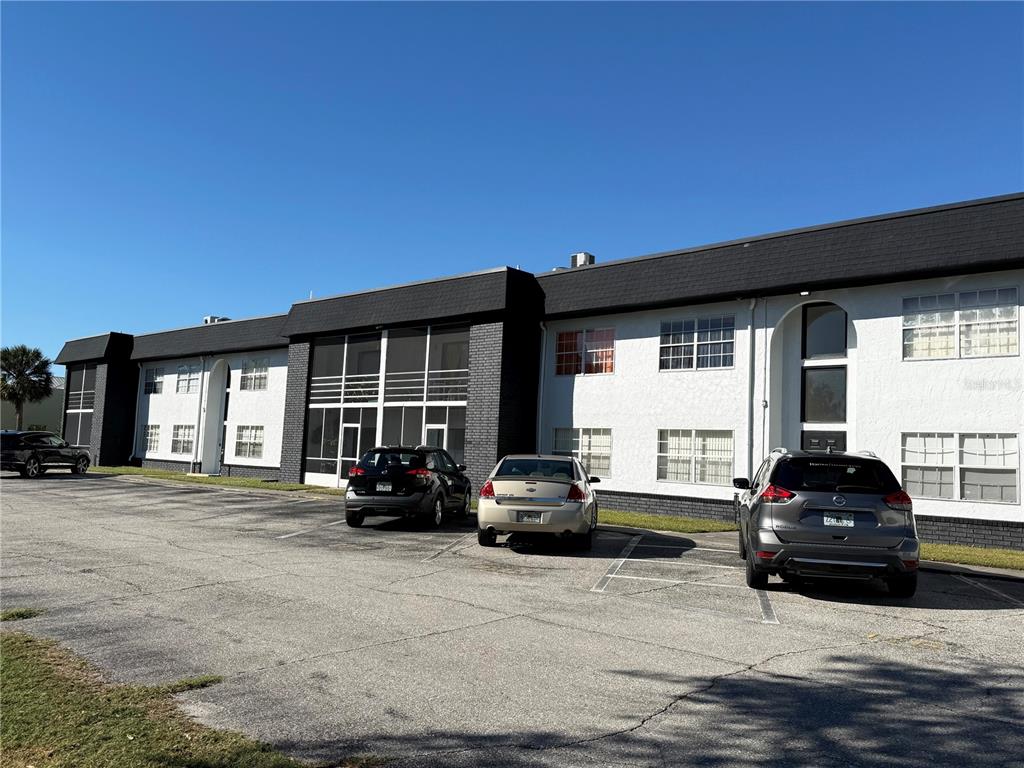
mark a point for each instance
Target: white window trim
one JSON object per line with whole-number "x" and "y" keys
{"x": 577, "y": 452}
{"x": 583, "y": 350}
{"x": 696, "y": 344}
{"x": 254, "y": 370}
{"x": 182, "y": 434}
{"x": 252, "y": 431}
{"x": 957, "y": 466}
{"x": 693, "y": 456}
{"x": 957, "y": 324}
{"x": 154, "y": 377}
{"x": 189, "y": 375}
{"x": 151, "y": 435}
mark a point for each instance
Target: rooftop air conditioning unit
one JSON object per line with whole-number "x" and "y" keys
{"x": 581, "y": 259}
{"x": 211, "y": 319}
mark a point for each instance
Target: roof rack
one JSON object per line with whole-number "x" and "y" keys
{"x": 872, "y": 454}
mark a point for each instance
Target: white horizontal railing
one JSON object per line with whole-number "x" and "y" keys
{"x": 81, "y": 400}
{"x": 325, "y": 389}
{"x": 407, "y": 385}
{"x": 451, "y": 384}
{"x": 361, "y": 388}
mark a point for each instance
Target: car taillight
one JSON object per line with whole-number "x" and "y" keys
{"x": 899, "y": 500}
{"x": 487, "y": 491}
{"x": 766, "y": 555}
{"x": 420, "y": 472}
{"x": 356, "y": 471}
{"x": 575, "y": 493}
{"x": 773, "y": 494}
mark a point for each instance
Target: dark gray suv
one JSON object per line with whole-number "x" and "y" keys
{"x": 827, "y": 514}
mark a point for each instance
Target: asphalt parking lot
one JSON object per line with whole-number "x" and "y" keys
{"x": 423, "y": 648}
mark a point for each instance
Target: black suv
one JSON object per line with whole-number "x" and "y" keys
{"x": 32, "y": 453}
{"x": 825, "y": 514}
{"x": 421, "y": 482}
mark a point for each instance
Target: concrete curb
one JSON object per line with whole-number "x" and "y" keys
{"x": 977, "y": 571}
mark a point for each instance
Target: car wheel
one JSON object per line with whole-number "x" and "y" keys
{"x": 354, "y": 519}
{"x": 463, "y": 510}
{"x": 756, "y": 578}
{"x": 32, "y": 468}
{"x": 486, "y": 538}
{"x": 743, "y": 545}
{"x": 902, "y": 584}
{"x": 81, "y": 466}
{"x": 437, "y": 512}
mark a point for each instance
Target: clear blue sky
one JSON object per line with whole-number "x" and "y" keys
{"x": 163, "y": 162}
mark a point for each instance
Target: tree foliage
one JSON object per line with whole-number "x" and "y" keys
{"x": 25, "y": 377}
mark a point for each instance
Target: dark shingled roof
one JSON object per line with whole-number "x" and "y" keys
{"x": 447, "y": 298}
{"x": 82, "y": 350}
{"x": 976, "y": 236}
{"x": 227, "y": 336}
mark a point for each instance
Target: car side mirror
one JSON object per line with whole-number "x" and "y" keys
{"x": 741, "y": 482}
{"x": 461, "y": 467}
{"x": 595, "y": 480}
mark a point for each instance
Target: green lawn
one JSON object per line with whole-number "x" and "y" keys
{"x": 58, "y": 713}
{"x": 231, "y": 482}
{"x": 662, "y": 522}
{"x": 957, "y": 553}
{"x": 17, "y": 614}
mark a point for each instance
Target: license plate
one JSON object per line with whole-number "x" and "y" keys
{"x": 384, "y": 487}
{"x": 839, "y": 519}
{"x": 529, "y": 517}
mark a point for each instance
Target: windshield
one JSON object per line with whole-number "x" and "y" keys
{"x": 835, "y": 475}
{"x": 554, "y": 469}
{"x": 384, "y": 458}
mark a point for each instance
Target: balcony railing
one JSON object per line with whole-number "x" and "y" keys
{"x": 407, "y": 385}
{"x": 362, "y": 388}
{"x": 325, "y": 389}
{"x": 452, "y": 384}
{"x": 80, "y": 400}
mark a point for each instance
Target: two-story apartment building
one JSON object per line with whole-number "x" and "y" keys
{"x": 668, "y": 375}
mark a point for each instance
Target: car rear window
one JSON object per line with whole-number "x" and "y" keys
{"x": 552, "y": 468}
{"x": 382, "y": 459}
{"x": 8, "y": 442}
{"x": 834, "y": 475}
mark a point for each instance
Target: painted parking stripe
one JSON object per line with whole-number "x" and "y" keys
{"x": 616, "y": 564}
{"x": 993, "y": 590}
{"x": 674, "y": 581}
{"x": 683, "y": 546}
{"x": 767, "y": 612}
{"x": 692, "y": 564}
{"x": 449, "y": 547}
{"x": 307, "y": 530}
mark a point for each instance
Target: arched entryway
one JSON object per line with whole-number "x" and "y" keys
{"x": 214, "y": 415}
{"x": 812, "y": 360}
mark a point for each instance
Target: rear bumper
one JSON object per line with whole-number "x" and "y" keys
{"x": 833, "y": 561}
{"x": 572, "y": 518}
{"x": 389, "y": 506}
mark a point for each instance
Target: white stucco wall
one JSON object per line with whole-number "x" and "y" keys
{"x": 887, "y": 396}
{"x": 251, "y": 408}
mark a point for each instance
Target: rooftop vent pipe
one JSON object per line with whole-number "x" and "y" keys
{"x": 211, "y": 319}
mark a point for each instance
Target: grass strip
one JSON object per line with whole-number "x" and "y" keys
{"x": 964, "y": 555}
{"x": 229, "y": 482}
{"x": 58, "y": 713}
{"x": 662, "y": 522}
{"x": 17, "y": 614}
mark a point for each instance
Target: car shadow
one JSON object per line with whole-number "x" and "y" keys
{"x": 54, "y": 474}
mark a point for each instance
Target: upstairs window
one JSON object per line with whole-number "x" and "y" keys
{"x": 154, "y": 383}
{"x": 254, "y": 375}
{"x": 188, "y": 380}
{"x": 701, "y": 343}
{"x": 589, "y": 351}
{"x": 824, "y": 331}
{"x": 967, "y": 324}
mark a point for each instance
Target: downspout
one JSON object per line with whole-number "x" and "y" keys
{"x": 138, "y": 411}
{"x": 199, "y": 417}
{"x": 750, "y": 392}
{"x": 540, "y": 385}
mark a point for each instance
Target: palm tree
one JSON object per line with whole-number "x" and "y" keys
{"x": 25, "y": 377}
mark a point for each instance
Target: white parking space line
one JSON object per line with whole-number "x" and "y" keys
{"x": 993, "y": 590}
{"x": 307, "y": 530}
{"x": 692, "y": 564}
{"x": 683, "y": 546}
{"x": 616, "y": 564}
{"x": 767, "y": 612}
{"x": 672, "y": 581}
{"x": 448, "y": 548}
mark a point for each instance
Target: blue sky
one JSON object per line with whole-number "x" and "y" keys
{"x": 164, "y": 162}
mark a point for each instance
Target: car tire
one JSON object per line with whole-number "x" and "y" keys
{"x": 81, "y": 466}
{"x": 32, "y": 468}
{"x": 486, "y": 537}
{"x": 743, "y": 545}
{"x": 436, "y": 515}
{"x": 463, "y": 511}
{"x": 902, "y": 584}
{"x": 354, "y": 519}
{"x": 756, "y": 578}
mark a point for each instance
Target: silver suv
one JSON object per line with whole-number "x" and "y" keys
{"x": 827, "y": 514}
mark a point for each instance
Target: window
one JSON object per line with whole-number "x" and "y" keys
{"x": 254, "y": 375}
{"x": 824, "y": 331}
{"x": 249, "y": 442}
{"x": 81, "y": 387}
{"x": 182, "y": 438}
{"x": 593, "y": 447}
{"x": 824, "y": 394}
{"x": 323, "y": 430}
{"x": 188, "y": 380}
{"x": 152, "y": 438}
{"x": 588, "y": 352}
{"x": 986, "y": 464}
{"x": 706, "y": 342}
{"x": 154, "y": 384}
{"x": 695, "y": 456}
{"x": 968, "y": 324}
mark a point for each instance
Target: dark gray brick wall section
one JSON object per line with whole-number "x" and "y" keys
{"x": 975, "y": 533}
{"x": 167, "y": 465}
{"x": 98, "y": 412}
{"x": 483, "y": 406}
{"x": 656, "y": 504}
{"x": 259, "y": 473}
{"x": 292, "y": 442}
